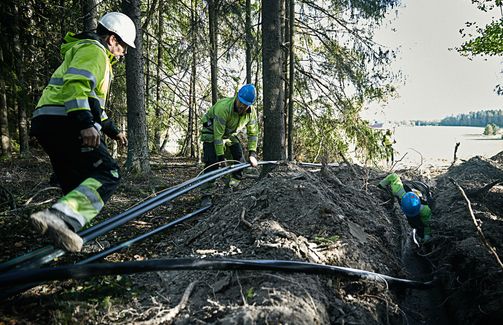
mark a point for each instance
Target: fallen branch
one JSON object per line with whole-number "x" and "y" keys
{"x": 346, "y": 161}
{"x": 482, "y": 237}
{"x": 456, "y": 152}
{"x": 421, "y": 155}
{"x": 483, "y": 191}
{"x": 42, "y": 190}
{"x": 173, "y": 312}
{"x": 245, "y": 222}
{"x": 396, "y": 162}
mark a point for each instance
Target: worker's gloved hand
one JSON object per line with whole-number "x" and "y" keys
{"x": 221, "y": 160}
{"x": 253, "y": 159}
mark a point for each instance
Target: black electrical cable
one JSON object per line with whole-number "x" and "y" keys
{"x": 43, "y": 251}
{"x": 90, "y": 270}
{"x": 57, "y": 253}
{"x": 130, "y": 242}
{"x": 17, "y": 289}
{"x": 49, "y": 249}
{"x": 49, "y": 253}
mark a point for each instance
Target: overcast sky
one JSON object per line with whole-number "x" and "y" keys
{"x": 439, "y": 82}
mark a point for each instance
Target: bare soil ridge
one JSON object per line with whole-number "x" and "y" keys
{"x": 322, "y": 215}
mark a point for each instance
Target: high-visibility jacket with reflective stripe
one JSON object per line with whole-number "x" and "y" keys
{"x": 83, "y": 79}
{"x": 398, "y": 190}
{"x": 222, "y": 122}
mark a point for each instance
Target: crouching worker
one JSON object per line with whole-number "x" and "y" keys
{"x": 221, "y": 124}
{"x": 68, "y": 122}
{"x": 414, "y": 198}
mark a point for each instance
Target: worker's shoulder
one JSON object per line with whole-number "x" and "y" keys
{"x": 223, "y": 105}
{"x": 91, "y": 46}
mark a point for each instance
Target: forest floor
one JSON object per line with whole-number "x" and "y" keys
{"x": 331, "y": 215}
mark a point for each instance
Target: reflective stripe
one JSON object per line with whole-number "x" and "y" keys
{"x": 218, "y": 141}
{"x": 253, "y": 138}
{"x": 56, "y": 81}
{"x": 92, "y": 196}
{"x": 67, "y": 210}
{"x": 84, "y": 200}
{"x": 400, "y": 193}
{"x": 252, "y": 122}
{"x": 85, "y": 73}
{"x": 57, "y": 111}
{"x": 74, "y": 104}
{"x": 49, "y": 110}
{"x": 104, "y": 115}
{"x": 99, "y": 99}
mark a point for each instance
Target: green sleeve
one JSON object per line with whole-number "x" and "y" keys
{"x": 425, "y": 215}
{"x": 394, "y": 181}
{"x": 219, "y": 124}
{"x": 252, "y": 131}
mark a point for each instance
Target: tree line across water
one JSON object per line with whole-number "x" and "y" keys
{"x": 478, "y": 119}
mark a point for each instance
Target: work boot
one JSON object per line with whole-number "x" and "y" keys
{"x": 46, "y": 221}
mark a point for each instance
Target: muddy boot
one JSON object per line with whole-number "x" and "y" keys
{"x": 46, "y": 221}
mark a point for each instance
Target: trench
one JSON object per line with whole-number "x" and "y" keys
{"x": 420, "y": 306}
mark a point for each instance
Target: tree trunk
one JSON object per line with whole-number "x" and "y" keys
{"x": 285, "y": 30}
{"x": 138, "y": 155}
{"x": 21, "y": 93}
{"x": 291, "y": 77}
{"x": 157, "y": 108}
{"x": 213, "y": 17}
{"x": 249, "y": 44}
{"x": 274, "y": 127}
{"x": 192, "y": 122}
{"x": 4, "y": 116}
{"x": 90, "y": 14}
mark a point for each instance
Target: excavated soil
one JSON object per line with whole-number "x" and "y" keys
{"x": 330, "y": 215}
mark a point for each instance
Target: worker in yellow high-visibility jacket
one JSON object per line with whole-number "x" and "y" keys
{"x": 221, "y": 124}
{"x": 68, "y": 122}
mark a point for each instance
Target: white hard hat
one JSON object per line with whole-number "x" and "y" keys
{"x": 121, "y": 25}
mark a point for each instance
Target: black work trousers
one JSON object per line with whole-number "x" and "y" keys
{"x": 210, "y": 157}
{"x": 73, "y": 163}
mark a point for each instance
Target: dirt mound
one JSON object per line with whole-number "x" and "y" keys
{"x": 498, "y": 157}
{"x": 474, "y": 284}
{"x": 334, "y": 216}
{"x": 329, "y": 217}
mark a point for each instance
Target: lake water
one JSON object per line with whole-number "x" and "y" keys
{"x": 436, "y": 144}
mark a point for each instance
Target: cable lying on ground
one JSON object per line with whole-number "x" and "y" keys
{"x": 90, "y": 270}
{"x": 48, "y": 253}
